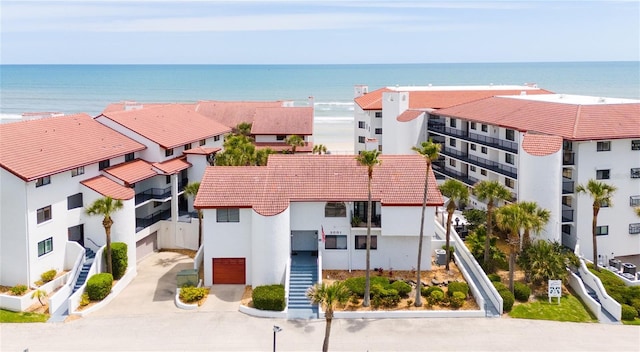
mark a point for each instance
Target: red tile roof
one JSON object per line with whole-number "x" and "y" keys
{"x": 132, "y": 105}
{"x": 569, "y": 121}
{"x": 108, "y": 188}
{"x": 541, "y": 144}
{"x": 399, "y": 180}
{"x": 37, "y": 148}
{"x": 232, "y": 113}
{"x": 132, "y": 172}
{"x": 280, "y": 146}
{"x": 201, "y": 150}
{"x": 439, "y": 99}
{"x": 172, "y": 166}
{"x": 283, "y": 121}
{"x": 409, "y": 115}
{"x": 169, "y": 125}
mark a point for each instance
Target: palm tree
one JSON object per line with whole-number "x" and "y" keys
{"x": 319, "y": 148}
{"x": 457, "y": 193}
{"x": 329, "y": 296}
{"x": 243, "y": 128}
{"x": 262, "y": 156}
{"x": 601, "y": 193}
{"x": 39, "y": 294}
{"x": 294, "y": 141}
{"x": 490, "y": 192}
{"x": 511, "y": 218}
{"x": 637, "y": 209}
{"x": 105, "y": 207}
{"x": 191, "y": 190}
{"x": 535, "y": 219}
{"x": 368, "y": 158}
{"x": 429, "y": 151}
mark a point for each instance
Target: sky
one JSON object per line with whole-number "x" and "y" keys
{"x": 316, "y": 32}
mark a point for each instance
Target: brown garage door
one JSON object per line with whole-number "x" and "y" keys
{"x": 229, "y": 270}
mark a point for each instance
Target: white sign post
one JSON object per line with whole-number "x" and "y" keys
{"x": 555, "y": 289}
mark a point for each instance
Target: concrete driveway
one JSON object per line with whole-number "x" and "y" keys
{"x": 153, "y": 290}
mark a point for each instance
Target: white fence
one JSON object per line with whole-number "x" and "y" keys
{"x": 594, "y": 282}
{"x": 578, "y": 287}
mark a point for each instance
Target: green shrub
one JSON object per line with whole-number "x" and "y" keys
{"x": 189, "y": 294}
{"x": 19, "y": 290}
{"x": 457, "y": 299}
{"x": 500, "y": 286}
{"x": 435, "y": 297}
{"x": 84, "y": 299}
{"x": 48, "y": 275}
{"x": 119, "y": 259}
{"x": 402, "y": 287}
{"x": 99, "y": 286}
{"x": 521, "y": 291}
{"x": 635, "y": 303}
{"x": 458, "y": 287}
{"x": 426, "y": 291}
{"x": 507, "y": 299}
{"x": 387, "y": 297}
{"x": 356, "y": 284}
{"x": 269, "y": 297}
{"x": 494, "y": 278}
{"x": 628, "y": 312}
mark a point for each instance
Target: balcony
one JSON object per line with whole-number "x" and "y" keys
{"x": 159, "y": 194}
{"x": 359, "y": 214}
{"x": 455, "y": 174}
{"x": 568, "y": 186}
{"x": 149, "y": 220}
{"x": 439, "y": 126}
{"x": 567, "y": 215}
{"x": 568, "y": 158}
{"x": 481, "y": 162}
{"x": 634, "y": 201}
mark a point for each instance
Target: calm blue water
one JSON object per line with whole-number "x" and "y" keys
{"x": 89, "y": 88}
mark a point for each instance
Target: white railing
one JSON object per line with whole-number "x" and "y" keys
{"x": 578, "y": 287}
{"x": 608, "y": 303}
{"x": 77, "y": 253}
{"x": 96, "y": 267}
{"x": 319, "y": 280}
{"x": 199, "y": 258}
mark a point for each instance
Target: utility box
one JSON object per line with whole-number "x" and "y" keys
{"x": 629, "y": 268}
{"x": 187, "y": 277}
{"x": 616, "y": 263}
{"x": 441, "y": 257}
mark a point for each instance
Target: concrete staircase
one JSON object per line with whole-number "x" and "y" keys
{"x": 84, "y": 272}
{"x": 301, "y": 278}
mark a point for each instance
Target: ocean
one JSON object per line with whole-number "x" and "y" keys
{"x": 90, "y": 88}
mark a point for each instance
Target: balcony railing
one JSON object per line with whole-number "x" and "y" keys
{"x": 440, "y": 127}
{"x": 455, "y": 174}
{"x": 567, "y": 186}
{"x": 481, "y": 162}
{"x": 568, "y": 158}
{"x": 149, "y": 220}
{"x": 567, "y": 215}
{"x": 634, "y": 201}
{"x": 159, "y": 194}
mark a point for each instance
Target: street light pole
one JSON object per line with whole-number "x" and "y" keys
{"x": 276, "y": 329}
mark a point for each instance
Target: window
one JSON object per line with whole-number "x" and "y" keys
{"x": 360, "y": 139}
{"x": 204, "y": 141}
{"x": 452, "y": 123}
{"x": 216, "y": 138}
{"x": 104, "y": 164}
{"x": 378, "y": 130}
{"x": 604, "y": 146}
{"x": 634, "y": 228}
{"x": 635, "y": 144}
{"x": 44, "y": 214}
{"x": 335, "y": 210}
{"x": 635, "y": 172}
{"x": 634, "y": 201}
{"x": 472, "y": 168}
{"x": 45, "y": 246}
{"x": 509, "y": 182}
{"x": 187, "y": 146}
{"x": 77, "y": 171}
{"x": 361, "y": 242}
{"x": 483, "y": 150}
{"x": 602, "y": 230}
{"x": 228, "y": 215}
{"x": 361, "y": 124}
{"x": 472, "y": 125}
{"x": 472, "y": 146}
{"x": 335, "y": 242}
{"x": 281, "y": 137}
{"x": 452, "y": 162}
{"x": 567, "y": 173}
{"x": 129, "y": 157}
{"x": 168, "y": 152}
{"x": 483, "y": 172}
{"x": 509, "y": 158}
{"x": 604, "y": 204}
{"x": 43, "y": 181}
{"x": 378, "y": 114}
{"x": 510, "y": 135}
{"x": 602, "y": 174}
{"x": 484, "y": 128}
{"x": 452, "y": 142}
{"x": 167, "y": 179}
{"x": 380, "y": 148}
{"x": 74, "y": 201}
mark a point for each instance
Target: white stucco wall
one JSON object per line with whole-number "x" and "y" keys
{"x": 270, "y": 247}
{"x": 14, "y": 250}
{"x": 399, "y": 137}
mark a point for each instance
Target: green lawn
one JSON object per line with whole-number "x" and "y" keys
{"x": 7, "y": 316}
{"x": 636, "y": 321}
{"x": 569, "y": 309}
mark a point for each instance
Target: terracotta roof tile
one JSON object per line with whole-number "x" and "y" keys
{"x": 409, "y": 115}
{"x": 109, "y": 188}
{"x": 283, "y": 121}
{"x": 399, "y": 180}
{"x": 132, "y": 172}
{"x": 201, "y": 150}
{"x": 37, "y": 148}
{"x": 541, "y": 144}
{"x": 172, "y": 166}
{"x": 232, "y": 113}
{"x": 569, "y": 121}
{"x": 279, "y": 147}
{"x": 169, "y": 125}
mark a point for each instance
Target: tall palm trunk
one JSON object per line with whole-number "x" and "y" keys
{"x": 446, "y": 245}
{"x": 594, "y": 225}
{"x": 418, "y": 300}
{"x": 367, "y": 286}
{"x": 327, "y": 330}
{"x": 487, "y": 241}
{"x": 512, "y": 264}
{"x": 107, "y": 222}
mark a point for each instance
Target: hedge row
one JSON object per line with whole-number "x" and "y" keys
{"x": 99, "y": 286}
{"x": 269, "y": 297}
